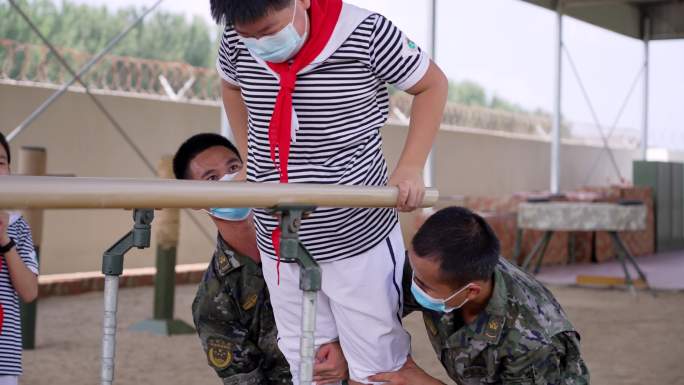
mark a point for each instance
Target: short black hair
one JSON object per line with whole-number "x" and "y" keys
{"x": 5, "y": 145}
{"x": 229, "y": 12}
{"x": 464, "y": 244}
{"x": 195, "y": 145}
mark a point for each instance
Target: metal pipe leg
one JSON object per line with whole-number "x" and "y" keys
{"x": 307, "y": 342}
{"x": 572, "y": 258}
{"x": 517, "y": 248}
{"x": 111, "y": 294}
{"x": 547, "y": 239}
{"x": 541, "y": 244}
{"x": 526, "y": 263}
{"x": 630, "y": 258}
{"x": 621, "y": 258}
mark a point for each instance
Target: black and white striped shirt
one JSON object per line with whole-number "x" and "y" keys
{"x": 341, "y": 102}
{"x": 10, "y": 335}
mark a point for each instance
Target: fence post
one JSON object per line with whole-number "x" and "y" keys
{"x": 168, "y": 232}
{"x": 32, "y": 161}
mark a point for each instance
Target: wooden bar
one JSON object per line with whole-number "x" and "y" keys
{"x": 24, "y": 192}
{"x": 607, "y": 281}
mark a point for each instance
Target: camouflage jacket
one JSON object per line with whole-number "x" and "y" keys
{"x": 234, "y": 319}
{"x": 522, "y": 337}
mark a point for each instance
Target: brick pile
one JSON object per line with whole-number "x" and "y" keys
{"x": 501, "y": 214}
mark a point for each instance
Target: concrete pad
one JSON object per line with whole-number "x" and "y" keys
{"x": 663, "y": 271}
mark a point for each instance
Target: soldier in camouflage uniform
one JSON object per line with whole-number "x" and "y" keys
{"x": 489, "y": 322}
{"x": 232, "y": 309}
{"x": 234, "y": 319}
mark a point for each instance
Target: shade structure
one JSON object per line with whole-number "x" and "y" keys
{"x": 626, "y": 17}
{"x": 641, "y": 19}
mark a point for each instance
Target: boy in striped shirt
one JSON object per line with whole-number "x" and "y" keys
{"x": 18, "y": 279}
{"x": 305, "y": 88}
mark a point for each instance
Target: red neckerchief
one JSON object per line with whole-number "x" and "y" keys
{"x": 323, "y": 17}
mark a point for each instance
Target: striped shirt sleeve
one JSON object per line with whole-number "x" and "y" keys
{"x": 226, "y": 56}
{"x": 21, "y": 233}
{"x": 394, "y": 57}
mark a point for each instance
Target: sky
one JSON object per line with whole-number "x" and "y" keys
{"x": 508, "y": 47}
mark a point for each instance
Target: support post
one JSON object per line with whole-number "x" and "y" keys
{"x": 32, "y": 161}
{"x": 291, "y": 249}
{"x": 168, "y": 232}
{"x": 112, "y": 267}
{"x": 556, "y": 129}
{"x": 226, "y": 131}
{"x": 429, "y": 169}
{"x": 644, "y": 123}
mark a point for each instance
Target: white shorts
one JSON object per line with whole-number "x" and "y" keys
{"x": 360, "y": 304}
{"x": 9, "y": 380}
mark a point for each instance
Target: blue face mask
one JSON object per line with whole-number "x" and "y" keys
{"x": 281, "y": 46}
{"x": 434, "y": 304}
{"x": 233, "y": 214}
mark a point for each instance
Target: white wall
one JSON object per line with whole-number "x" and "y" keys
{"x": 80, "y": 140}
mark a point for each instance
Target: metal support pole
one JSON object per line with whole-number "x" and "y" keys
{"x": 111, "y": 292}
{"x": 644, "y": 124}
{"x": 112, "y": 43}
{"x": 112, "y": 267}
{"x": 168, "y": 233}
{"x": 429, "y": 169}
{"x": 556, "y": 129}
{"x": 291, "y": 249}
{"x": 226, "y": 131}
{"x": 32, "y": 161}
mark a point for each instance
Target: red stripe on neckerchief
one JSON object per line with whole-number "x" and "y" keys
{"x": 275, "y": 239}
{"x": 323, "y": 17}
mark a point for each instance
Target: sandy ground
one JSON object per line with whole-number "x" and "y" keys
{"x": 626, "y": 340}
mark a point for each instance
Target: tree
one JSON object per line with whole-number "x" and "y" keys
{"x": 161, "y": 36}
{"x": 468, "y": 93}
{"x": 499, "y": 103}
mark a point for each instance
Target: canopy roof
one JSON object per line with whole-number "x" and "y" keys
{"x": 627, "y": 17}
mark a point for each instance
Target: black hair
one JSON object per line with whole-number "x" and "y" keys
{"x": 229, "y": 12}
{"x": 5, "y": 145}
{"x": 464, "y": 244}
{"x": 195, "y": 145}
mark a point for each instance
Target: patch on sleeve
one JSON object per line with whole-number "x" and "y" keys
{"x": 222, "y": 264}
{"x": 219, "y": 352}
{"x": 410, "y": 48}
{"x": 493, "y": 328}
{"x": 250, "y": 302}
{"x": 226, "y": 262}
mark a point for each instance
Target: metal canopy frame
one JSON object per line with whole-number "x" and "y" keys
{"x": 641, "y": 19}
{"x": 626, "y": 17}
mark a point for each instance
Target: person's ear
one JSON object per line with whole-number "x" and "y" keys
{"x": 473, "y": 291}
{"x": 306, "y": 4}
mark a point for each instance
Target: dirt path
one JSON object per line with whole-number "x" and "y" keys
{"x": 626, "y": 340}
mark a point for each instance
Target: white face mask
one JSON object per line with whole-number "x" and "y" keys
{"x": 282, "y": 45}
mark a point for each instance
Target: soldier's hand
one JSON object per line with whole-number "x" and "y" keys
{"x": 331, "y": 366}
{"x": 409, "y": 374}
